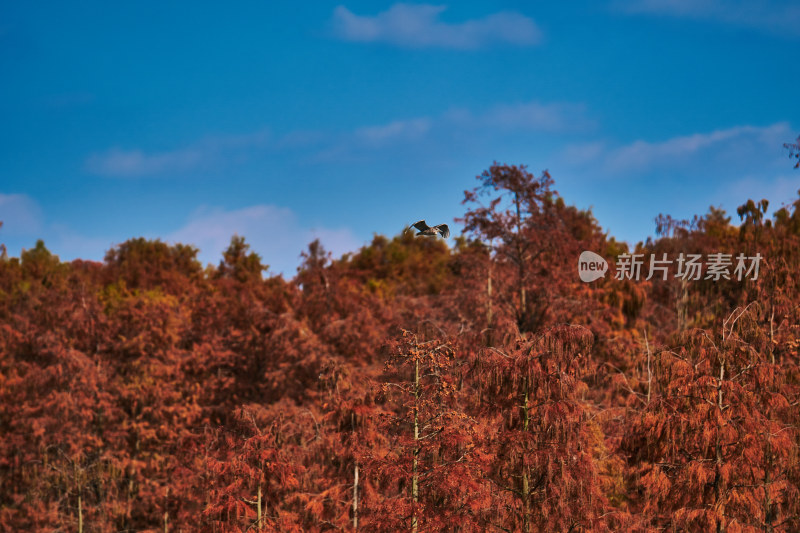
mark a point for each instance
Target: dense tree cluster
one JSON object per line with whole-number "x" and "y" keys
{"x": 409, "y": 386}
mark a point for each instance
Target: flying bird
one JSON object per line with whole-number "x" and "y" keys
{"x": 425, "y": 229}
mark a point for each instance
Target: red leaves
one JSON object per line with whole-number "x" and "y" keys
{"x": 407, "y": 385}
{"x": 717, "y": 444}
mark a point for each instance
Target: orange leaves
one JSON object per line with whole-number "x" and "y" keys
{"x": 657, "y": 484}
{"x": 699, "y": 519}
{"x": 540, "y": 442}
{"x": 699, "y": 474}
{"x": 315, "y": 506}
{"x": 288, "y": 480}
{"x": 38, "y": 429}
{"x": 721, "y": 445}
{"x": 121, "y": 380}
{"x": 142, "y": 266}
{"x": 428, "y": 467}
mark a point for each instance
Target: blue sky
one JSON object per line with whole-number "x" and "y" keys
{"x": 283, "y": 122}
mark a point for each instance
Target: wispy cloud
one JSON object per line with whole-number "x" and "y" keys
{"x": 21, "y": 216}
{"x": 537, "y": 116}
{"x": 358, "y": 143}
{"x": 119, "y": 162}
{"x": 419, "y": 26}
{"x": 423, "y": 133}
{"x": 780, "y": 190}
{"x": 276, "y": 233}
{"x": 397, "y": 129}
{"x": 779, "y": 17}
{"x": 24, "y": 222}
{"x": 736, "y": 143}
{"x": 681, "y": 175}
{"x": 70, "y": 244}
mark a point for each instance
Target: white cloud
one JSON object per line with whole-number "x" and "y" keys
{"x": 273, "y": 232}
{"x": 361, "y": 143}
{"x": 68, "y": 244}
{"x": 398, "y": 129}
{"x": 24, "y": 223}
{"x": 780, "y": 190}
{"x": 583, "y": 153}
{"x": 419, "y": 26}
{"x": 351, "y": 145}
{"x": 21, "y": 216}
{"x": 779, "y": 17}
{"x": 537, "y": 116}
{"x": 422, "y": 132}
{"x": 118, "y": 162}
{"x": 734, "y": 144}
{"x": 680, "y": 175}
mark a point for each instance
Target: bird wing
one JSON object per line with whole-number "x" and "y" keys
{"x": 421, "y": 225}
{"x": 444, "y": 230}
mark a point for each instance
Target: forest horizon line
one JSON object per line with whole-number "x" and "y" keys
{"x": 661, "y": 223}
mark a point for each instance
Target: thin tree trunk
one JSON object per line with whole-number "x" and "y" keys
{"x": 80, "y": 514}
{"x": 166, "y": 511}
{"x": 414, "y": 466}
{"x": 355, "y": 498}
{"x": 649, "y": 371}
{"x": 719, "y": 488}
{"x": 521, "y": 264}
{"x": 489, "y": 301}
{"x": 683, "y": 304}
{"x": 526, "y": 491}
{"x": 772, "y": 332}
{"x": 767, "y": 502}
{"x": 258, "y": 506}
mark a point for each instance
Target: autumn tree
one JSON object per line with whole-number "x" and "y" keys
{"x": 148, "y": 264}
{"x": 343, "y": 303}
{"x": 408, "y": 385}
{"x": 253, "y": 473}
{"x": 714, "y": 445}
{"x": 428, "y": 472}
{"x": 542, "y": 438}
{"x": 534, "y": 239}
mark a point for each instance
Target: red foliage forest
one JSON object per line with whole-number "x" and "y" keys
{"x": 409, "y": 386}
